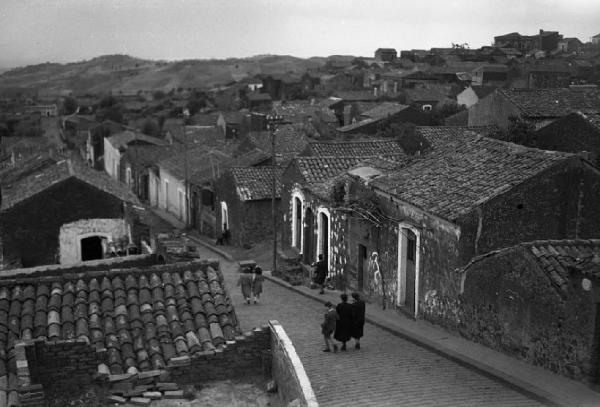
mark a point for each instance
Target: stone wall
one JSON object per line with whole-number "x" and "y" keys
{"x": 67, "y": 366}
{"x": 248, "y": 355}
{"x": 511, "y": 305}
{"x": 288, "y": 371}
{"x": 71, "y": 233}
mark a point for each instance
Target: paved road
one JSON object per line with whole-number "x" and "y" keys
{"x": 387, "y": 371}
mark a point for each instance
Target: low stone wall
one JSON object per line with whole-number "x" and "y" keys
{"x": 288, "y": 371}
{"x": 247, "y": 355}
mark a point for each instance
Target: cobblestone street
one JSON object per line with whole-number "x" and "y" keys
{"x": 387, "y": 371}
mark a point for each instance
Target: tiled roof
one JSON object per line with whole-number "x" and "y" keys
{"x": 356, "y": 95}
{"x": 25, "y": 168}
{"x": 298, "y": 112}
{"x": 255, "y": 183}
{"x": 319, "y": 169}
{"x": 358, "y": 125}
{"x": 383, "y": 110}
{"x": 553, "y": 102}
{"x": 149, "y": 155}
{"x": 559, "y": 258}
{"x": 358, "y": 148}
{"x": 142, "y": 317}
{"x": 50, "y": 175}
{"x": 464, "y": 169}
{"x": 122, "y": 139}
{"x": 289, "y": 140}
{"x": 483, "y": 91}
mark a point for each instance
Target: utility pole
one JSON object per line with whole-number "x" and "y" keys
{"x": 185, "y": 171}
{"x": 272, "y": 122}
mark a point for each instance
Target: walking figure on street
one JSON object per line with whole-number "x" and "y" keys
{"x": 257, "y": 280}
{"x": 343, "y": 329}
{"x": 328, "y": 327}
{"x": 358, "y": 319}
{"x": 245, "y": 281}
{"x": 320, "y": 273}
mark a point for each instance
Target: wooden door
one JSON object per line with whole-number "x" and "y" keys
{"x": 410, "y": 261}
{"x": 361, "y": 267}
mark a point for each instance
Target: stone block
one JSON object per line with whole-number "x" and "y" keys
{"x": 152, "y": 395}
{"x": 140, "y": 401}
{"x": 116, "y": 399}
{"x": 169, "y": 386}
{"x": 121, "y": 387}
{"x": 174, "y": 394}
{"x": 149, "y": 374}
{"x": 119, "y": 377}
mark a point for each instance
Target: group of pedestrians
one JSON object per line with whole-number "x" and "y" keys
{"x": 251, "y": 283}
{"x": 346, "y": 321}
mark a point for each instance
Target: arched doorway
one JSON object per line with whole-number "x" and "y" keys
{"x": 92, "y": 248}
{"x": 297, "y": 225}
{"x": 308, "y": 253}
{"x": 323, "y": 235}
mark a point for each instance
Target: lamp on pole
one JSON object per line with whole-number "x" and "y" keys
{"x": 273, "y": 121}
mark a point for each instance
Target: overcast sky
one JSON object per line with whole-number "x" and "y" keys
{"x": 35, "y": 31}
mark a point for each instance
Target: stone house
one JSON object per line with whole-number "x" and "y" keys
{"x": 573, "y": 133}
{"x": 61, "y": 211}
{"x": 596, "y": 39}
{"x": 490, "y": 75}
{"x": 116, "y": 145}
{"x": 537, "y": 301}
{"x": 259, "y": 101}
{"x": 229, "y": 123}
{"x": 397, "y": 231}
{"x": 549, "y": 76}
{"x": 538, "y": 106}
{"x": 386, "y": 54}
{"x": 544, "y": 40}
{"x": 570, "y": 45}
{"x": 385, "y": 114}
{"x": 43, "y": 110}
{"x": 245, "y": 201}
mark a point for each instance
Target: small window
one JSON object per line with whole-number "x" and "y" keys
{"x": 427, "y": 108}
{"x": 520, "y": 206}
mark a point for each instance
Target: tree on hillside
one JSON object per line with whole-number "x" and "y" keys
{"x": 521, "y": 131}
{"x": 69, "y": 105}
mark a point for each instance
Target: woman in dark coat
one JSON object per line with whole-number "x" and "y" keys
{"x": 358, "y": 319}
{"x": 343, "y": 328}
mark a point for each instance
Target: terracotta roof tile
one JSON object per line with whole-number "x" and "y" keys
{"x": 255, "y": 183}
{"x": 357, "y": 148}
{"x": 143, "y": 318}
{"x": 554, "y": 102}
{"x": 462, "y": 170}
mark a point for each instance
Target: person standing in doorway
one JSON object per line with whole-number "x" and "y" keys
{"x": 320, "y": 273}
{"x": 328, "y": 327}
{"x": 257, "y": 280}
{"x": 358, "y": 319}
{"x": 343, "y": 329}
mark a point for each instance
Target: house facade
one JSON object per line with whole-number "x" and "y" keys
{"x": 116, "y": 145}
{"x": 42, "y": 211}
{"x": 537, "y": 106}
{"x": 399, "y": 234}
{"x": 244, "y": 203}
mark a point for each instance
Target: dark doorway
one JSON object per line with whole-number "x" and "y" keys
{"x": 411, "y": 254}
{"x": 91, "y": 248}
{"x": 143, "y": 187}
{"x": 325, "y": 237}
{"x": 308, "y": 254}
{"x": 595, "y": 351}
{"x": 361, "y": 266}
{"x": 298, "y": 223}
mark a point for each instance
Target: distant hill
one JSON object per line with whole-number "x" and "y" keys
{"x": 126, "y": 74}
